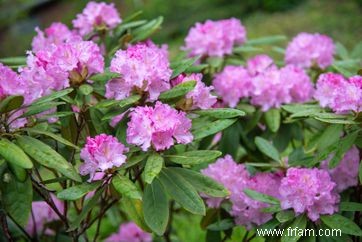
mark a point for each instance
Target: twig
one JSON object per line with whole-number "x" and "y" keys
{"x": 5, "y": 227}
{"x": 21, "y": 228}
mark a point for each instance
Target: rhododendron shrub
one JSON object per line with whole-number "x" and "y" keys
{"x": 105, "y": 137}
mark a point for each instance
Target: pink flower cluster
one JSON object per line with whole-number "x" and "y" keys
{"x": 200, "y": 96}
{"x": 144, "y": 67}
{"x": 345, "y": 174}
{"x": 309, "y": 190}
{"x": 159, "y": 126}
{"x": 308, "y": 50}
{"x": 42, "y": 214}
{"x": 262, "y": 82}
{"x": 215, "y": 38}
{"x": 55, "y": 34}
{"x": 130, "y": 232}
{"x": 96, "y": 15}
{"x": 338, "y": 93}
{"x": 236, "y": 178}
{"x": 101, "y": 153}
{"x": 10, "y": 83}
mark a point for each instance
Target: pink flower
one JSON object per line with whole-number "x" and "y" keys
{"x": 96, "y": 15}
{"x": 130, "y": 232}
{"x": 200, "y": 95}
{"x": 310, "y": 191}
{"x": 56, "y": 33}
{"x": 158, "y": 126}
{"x": 101, "y": 153}
{"x": 248, "y": 211}
{"x": 346, "y": 172}
{"x": 233, "y": 84}
{"x": 42, "y": 214}
{"x": 338, "y": 93}
{"x": 228, "y": 173}
{"x": 10, "y": 83}
{"x": 307, "y": 50}
{"x": 215, "y": 38}
{"x": 143, "y": 66}
{"x": 301, "y": 89}
{"x": 269, "y": 90}
{"x": 260, "y": 63}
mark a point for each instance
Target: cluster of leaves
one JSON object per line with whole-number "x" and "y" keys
{"x": 42, "y": 158}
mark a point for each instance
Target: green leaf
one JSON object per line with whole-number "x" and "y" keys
{"x": 341, "y": 51}
{"x": 156, "y": 207}
{"x": 285, "y": 215}
{"x": 212, "y": 128}
{"x": 89, "y": 205}
{"x": 103, "y": 77}
{"x": 39, "y": 108}
{"x": 13, "y": 154}
{"x": 350, "y": 206}
{"x": 182, "y": 191}
{"x": 10, "y": 103}
{"x": 20, "y": 173}
{"x": 178, "y": 91}
{"x": 267, "y": 148}
{"x": 267, "y": 40}
{"x": 53, "y": 136}
{"x": 202, "y": 183}
{"x": 241, "y": 49}
{"x": 53, "y": 96}
{"x": 343, "y": 146}
{"x": 76, "y": 192}
{"x": 299, "y": 223}
{"x": 221, "y": 225}
{"x": 182, "y": 66}
{"x": 14, "y": 61}
{"x": 86, "y": 89}
{"x": 272, "y": 119}
{"x": 47, "y": 157}
{"x": 119, "y": 103}
{"x": 16, "y": 197}
{"x": 261, "y": 197}
{"x": 194, "y": 157}
{"x": 336, "y": 121}
{"x": 134, "y": 160}
{"x": 221, "y": 113}
{"x": 145, "y": 31}
{"x": 337, "y": 221}
{"x": 153, "y": 167}
{"x": 134, "y": 210}
{"x": 126, "y": 187}
{"x": 329, "y": 136}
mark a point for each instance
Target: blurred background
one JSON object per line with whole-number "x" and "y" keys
{"x": 341, "y": 19}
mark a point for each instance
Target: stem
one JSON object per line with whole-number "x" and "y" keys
{"x": 5, "y": 227}
{"x": 22, "y": 229}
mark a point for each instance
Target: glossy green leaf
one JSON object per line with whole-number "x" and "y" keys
{"x": 221, "y": 225}
{"x": 261, "y": 197}
{"x": 134, "y": 210}
{"x": 39, "y": 108}
{"x": 19, "y": 172}
{"x": 285, "y": 215}
{"x": 14, "y": 61}
{"x": 272, "y": 119}
{"x": 153, "y": 167}
{"x": 350, "y": 206}
{"x": 86, "y": 89}
{"x": 16, "y": 198}
{"x": 337, "y": 221}
{"x": 11, "y": 103}
{"x": 53, "y": 96}
{"x": 182, "y": 66}
{"x": 212, "y": 128}
{"x": 53, "y": 136}
{"x": 78, "y": 191}
{"x": 194, "y": 157}
{"x": 48, "y": 157}
{"x": 267, "y": 40}
{"x": 156, "y": 207}
{"x": 103, "y": 77}
{"x": 182, "y": 191}
{"x": 145, "y": 31}
{"x": 299, "y": 223}
{"x": 343, "y": 146}
{"x": 221, "y": 113}
{"x": 119, "y": 103}
{"x": 126, "y": 187}
{"x": 267, "y": 148}
{"x": 178, "y": 91}
{"x": 13, "y": 154}
{"x": 202, "y": 183}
